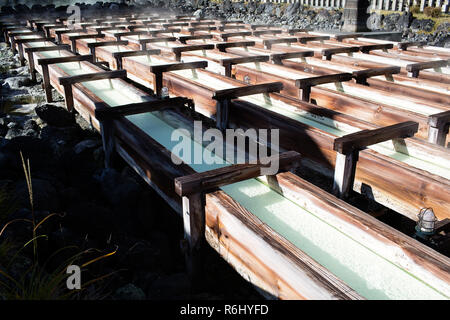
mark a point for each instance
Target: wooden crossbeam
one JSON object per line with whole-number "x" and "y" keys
{"x": 306, "y": 39}
{"x": 204, "y": 23}
{"x": 158, "y": 70}
{"x": 92, "y": 46}
{"x": 362, "y": 75}
{"x": 340, "y": 37}
{"x": 177, "y": 51}
{"x": 100, "y": 29}
{"x": 68, "y": 81}
{"x": 227, "y": 27}
{"x": 29, "y": 52}
{"x": 257, "y": 26}
{"x": 47, "y": 28}
{"x": 142, "y": 26}
{"x": 155, "y": 32}
{"x": 292, "y": 31}
{"x": 20, "y": 43}
{"x": 269, "y": 42}
{"x": 228, "y": 63}
{"x": 415, "y": 68}
{"x": 438, "y": 127}
{"x": 59, "y": 33}
{"x": 44, "y": 62}
{"x": 175, "y": 24}
{"x": 208, "y": 181}
{"x": 348, "y": 147}
{"x": 143, "y": 42}
{"x": 406, "y": 45}
{"x": 74, "y": 39}
{"x": 192, "y": 189}
{"x": 183, "y": 39}
{"x": 305, "y": 84}
{"x": 122, "y": 54}
{"x": 224, "y": 45}
{"x": 140, "y": 107}
{"x": 371, "y": 47}
{"x": 195, "y": 29}
{"x": 225, "y": 96}
{"x": 328, "y": 53}
{"x": 119, "y": 35}
{"x": 263, "y": 32}
{"x": 225, "y": 36}
{"x": 277, "y": 58}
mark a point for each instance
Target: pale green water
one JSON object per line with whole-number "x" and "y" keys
{"x": 366, "y": 271}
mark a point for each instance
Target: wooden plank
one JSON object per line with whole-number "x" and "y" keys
{"x": 328, "y": 53}
{"x": 259, "y": 33}
{"x": 362, "y": 75}
{"x": 229, "y": 62}
{"x": 224, "y": 45}
{"x": 68, "y": 81}
{"x": 225, "y": 36}
{"x": 233, "y": 93}
{"x": 438, "y": 128}
{"x": 414, "y": 68}
{"x": 195, "y": 29}
{"x": 308, "y": 38}
{"x": 277, "y": 58}
{"x": 47, "y": 61}
{"x": 74, "y": 39}
{"x": 406, "y": 45}
{"x": 340, "y": 37}
{"x": 143, "y": 42}
{"x": 204, "y": 182}
{"x": 292, "y": 31}
{"x": 305, "y": 84}
{"x": 118, "y": 35}
{"x": 183, "y": 39}
{"x": 140, "y": 107}
{"x": 179, "y": 50}
{"x": 370, "y": 47}
{"x": 20, "y": 43}
{"x": 361, "y": 139}
{"x": 158, "y": 70}
{"x": 122, "y": 54}
{"x": 269, "y": 42}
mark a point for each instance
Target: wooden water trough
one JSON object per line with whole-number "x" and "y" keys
{"x": 288, "y": 237}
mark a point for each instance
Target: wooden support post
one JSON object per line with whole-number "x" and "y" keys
{"x": 225, "y": 96}
{"x": 269, "y": 42}
{"x": 74, "y": 39}
{"x": 305, "y": 84}
{"x": 94, "y": 45}
{"x": 229, "y": 62}
{"x": 225, "y": 36}
{"x": 158, "y": 70}
{"x": 20, "y": 43}
{"x": 438, "y": 128}
{"x": 277, "y": 58}
{"x": 306, "y": 39}
{"x": 143, "y": 42}
{"x": 224, "y": 45}
{"x": 68, "y": 81}
{"x": 382, "y": 46}
{"x": 259, "y": 33}
{"x": 328, "y": 53}
{"x": 183, "y": 39}
{"x": 118, "y": 56}
{"x": 45, "y": 73}
{"x": 347, "y": 151}
{"x": 406, "y": 45}
{"x": 193, "y": 189}
{"x": 414, "y": 69}
{"x": 177, "y": 51}
{"x": 362, "y": 75}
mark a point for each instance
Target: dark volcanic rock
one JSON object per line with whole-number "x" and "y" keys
{"x": 129, "y": 292}
{"x": 54, "y": 115}
{"x": 375, "y": 21}
{"x": 45, "y": 196}
{"x": 422, "y": 25}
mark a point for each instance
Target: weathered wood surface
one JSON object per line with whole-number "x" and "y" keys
{"x": 205, "y": 182}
